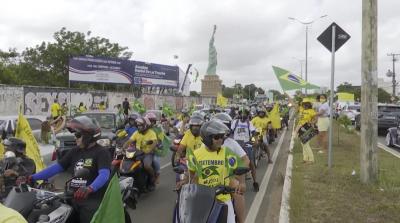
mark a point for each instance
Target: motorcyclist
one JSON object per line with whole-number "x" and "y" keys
{"x": 182, "y": 125}
{"x": 160, "y": 137}
{"x": 145, "y": 140}
{"x": 242, "y": 131}
{"x": 229, "y": 142}
{"x": 211, "y": 163}
{"x": 261, "y": 122}
{"x": 88, "y": 190}
{"x": 191, "y": 139}
{"x": 15, "y": 163}
{"x": 130, "y": 127}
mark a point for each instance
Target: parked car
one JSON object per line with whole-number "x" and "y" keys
{"x": 388, "y": 117}
{"x": 9, "y": 124}
{"x": 350, "y": 111}
{"x": 109, "y": 123}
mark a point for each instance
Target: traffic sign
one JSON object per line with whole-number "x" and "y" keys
{"x": 326, "y": 37}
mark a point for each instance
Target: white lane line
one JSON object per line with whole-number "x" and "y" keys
{"x": 284, "y": 212}
{"x": 389, "y": 150}
{"x": 255, "y": 205}
{"x": 166, "y": 165}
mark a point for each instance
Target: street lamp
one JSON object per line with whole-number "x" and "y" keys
{"x": 307, "y": 24}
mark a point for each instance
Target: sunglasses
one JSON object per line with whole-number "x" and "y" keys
{"x": 78, "y": 135}
{"x": 219, "y": 136}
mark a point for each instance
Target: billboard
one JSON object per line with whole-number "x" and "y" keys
{"x": 109, "y": 70}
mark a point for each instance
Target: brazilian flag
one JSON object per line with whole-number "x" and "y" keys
{"x": 167, "y": 110}
{"x": 232, "y": 161}
{"x": 193, "y": 165}
{"x": 290, "y": 81}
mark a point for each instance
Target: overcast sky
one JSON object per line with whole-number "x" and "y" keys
{"x": 251, "y": 35}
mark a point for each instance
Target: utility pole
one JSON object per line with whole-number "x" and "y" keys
{"x": 369, "y": 93}
{"x": 393, "y": 73}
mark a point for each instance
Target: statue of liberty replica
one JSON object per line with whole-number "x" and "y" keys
{"x": 211, "y": 85}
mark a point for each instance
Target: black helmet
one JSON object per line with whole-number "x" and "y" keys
{"x": 133, "y": 116}
{"x": 15, "y": 145}
{"x": 211, "y": 128}
{"x": 89, "y": 128}
{"x": 196, "y": 119}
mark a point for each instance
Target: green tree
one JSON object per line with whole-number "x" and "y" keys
{"x": 228, "y": 91}
{"x": 383, "y": 96}
{"x": 194, "y": 94}
{"x": 47, "y": 63}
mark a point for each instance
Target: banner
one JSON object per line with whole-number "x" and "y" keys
{"x": 289, "y": 81}
{"x": 110, "y": 70}
{"x": 222, "y": 101}
{"x": 345, "y": 97}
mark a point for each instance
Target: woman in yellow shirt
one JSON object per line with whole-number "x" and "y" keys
{"x": 307, "y": 115}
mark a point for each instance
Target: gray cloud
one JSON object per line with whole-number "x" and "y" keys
{"x": 251, "y": 36}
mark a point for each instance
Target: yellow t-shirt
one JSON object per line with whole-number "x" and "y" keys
{"x": 142, "y": 139}
{"x": 213, "y": 169}
{"x": 261, "y": 123}
{"x": 9, "y": 215}
{"x": 102, "y": 107}
{"x": 190, "y": 141}
{"x": 55, "y": 110}
{"x": 306, "y": 116}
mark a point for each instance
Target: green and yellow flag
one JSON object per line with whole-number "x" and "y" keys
{"x": 222, "y": 101}
{"x": 232, "y": 161}
{"x": 345, "y": 97}
{"x": 138, "y": 107}
{"x": 167, "y": 110}
{"x": 289, "y": 81}
{"x": 1, "y": 149}
{"x": 24, "y": 132}
{"x": 111, "y": 208}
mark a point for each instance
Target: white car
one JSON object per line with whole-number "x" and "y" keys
{"x": 8, "y": 124}
{"x": 351, "y": 111}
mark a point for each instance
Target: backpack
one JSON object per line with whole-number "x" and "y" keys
{"x": 248, "y": 127}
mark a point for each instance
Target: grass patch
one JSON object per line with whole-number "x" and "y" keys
{"x": 322, "y": 195}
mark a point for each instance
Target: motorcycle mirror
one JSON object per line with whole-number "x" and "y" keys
{"x": 179, "y": 170}
{"x": 82, "y": 173}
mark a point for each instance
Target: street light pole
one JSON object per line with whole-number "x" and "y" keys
{"x": 393, "y": 74}
{"x": 307, "y": 24}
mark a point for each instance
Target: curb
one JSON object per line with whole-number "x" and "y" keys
{"x": 387, "y": 149}
{"x": 284, "y": 212}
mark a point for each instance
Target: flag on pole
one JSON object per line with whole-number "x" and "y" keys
{"x": 138, "y": 107}
{"x": 167, "y": 110}
{"x": 197, "y": 75}
{"x": 222, "y": 101}
{"x": 111, "y": 208}
{"x": 289, "y": 81}
{"x": 24, "y": 132}
{"x": 274, "y": 116}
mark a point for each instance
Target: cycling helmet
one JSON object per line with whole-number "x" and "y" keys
{"x": 212, "y": 128}
{"x": 15, "y": 145}
{"x": 143, "y": 124}
{"x": 88, "y": 128}
{"x": 151, "y": 116}
{"x": 196, "y": 119}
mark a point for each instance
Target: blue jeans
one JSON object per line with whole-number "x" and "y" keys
{"x": 156, "y": 164}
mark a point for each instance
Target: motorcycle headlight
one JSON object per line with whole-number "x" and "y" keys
{"x": 130, "y": 155}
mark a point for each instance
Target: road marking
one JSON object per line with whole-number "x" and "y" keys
{"x": 284, "y": 212}
{"x": 166, "y": 165}
{"x": 389, "y": 150}
{"x": 255, "y": 206}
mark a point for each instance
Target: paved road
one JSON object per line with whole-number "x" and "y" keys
{"x": 158, "y": 205}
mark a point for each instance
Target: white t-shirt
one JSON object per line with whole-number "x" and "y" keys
{"x": 242, "y": 130}
{"x": 234, "y": 146}
{"x": 325, "y": 108}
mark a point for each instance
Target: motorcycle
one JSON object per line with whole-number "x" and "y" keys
{"x": 38, "y": 205}
{"x": 198, "y": 203}
{"x": 174, "y": 149}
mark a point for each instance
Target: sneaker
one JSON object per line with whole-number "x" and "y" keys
{"x": 256, "y": 187}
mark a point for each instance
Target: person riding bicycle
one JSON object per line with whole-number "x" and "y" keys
{"x": 261, "y": 122}
{"x": 191, "y": 139}
{"x": 88, "y": 190}
{"x": 211, "y": 164}
{"x": 15, "y": 163}
{"x": 145, "y": 140}
{"x": 243, "y": 130}
{"x": 229, "y": 142}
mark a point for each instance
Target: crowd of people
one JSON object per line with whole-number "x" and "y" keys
{"x": 208, "y": 138}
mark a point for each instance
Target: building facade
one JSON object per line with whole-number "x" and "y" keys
{"x": 211, "y": 86}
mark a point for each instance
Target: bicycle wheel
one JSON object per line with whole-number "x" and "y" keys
{"x": 257, "y": 155}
